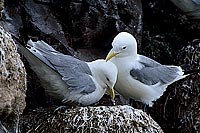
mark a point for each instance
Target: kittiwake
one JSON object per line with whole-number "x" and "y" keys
{"x": 69, "y": 79}
{"x": 140, "y": 77}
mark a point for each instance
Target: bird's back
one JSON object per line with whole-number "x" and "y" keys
{"x": 63, "y": 77}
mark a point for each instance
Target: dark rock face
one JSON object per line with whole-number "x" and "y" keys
{"x": 75, "y": 24}
{"x": 41, "y": 19}
{"x": 170, "y": 37}
{"x": 190, "y": 7}
{"x": 178, "y": 109}
{"x": 187, "y": 94}
{"x": 96, "y": 22}
{"x": 103, "y": 20}
{"x": 93, "y": 24}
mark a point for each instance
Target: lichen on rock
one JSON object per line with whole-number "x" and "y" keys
{"x": 12, "y": 78}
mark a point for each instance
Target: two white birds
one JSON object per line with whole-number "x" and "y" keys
{"x": 72, "y": 80}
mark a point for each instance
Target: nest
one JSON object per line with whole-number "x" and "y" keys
{"x": 89, "y": 119}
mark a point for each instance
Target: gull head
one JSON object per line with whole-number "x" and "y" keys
{"x": 105, "y": 74}
{"x": 123, "y": 45}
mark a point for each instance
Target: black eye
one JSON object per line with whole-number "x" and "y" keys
{"x": 124, "y": 47}
{"x": 107, "y": 79}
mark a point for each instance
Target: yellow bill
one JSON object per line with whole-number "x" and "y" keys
{"x": 111, "y": 92}
{"x": 112, "y": 54}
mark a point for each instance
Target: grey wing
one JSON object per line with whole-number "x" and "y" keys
{"x": 147, "y": 61}
{"x": 196, "y": 2}
{"x": 74, "y": 72}
{"x": 83, "y": 85}
{"x": 37, "y": 53}
{"x": 40, "y": 45}
{"x": 152, "y": 75}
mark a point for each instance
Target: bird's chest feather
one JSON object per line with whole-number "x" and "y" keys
{"x": 125, "y": 82}
{"x": 124, "y": 67}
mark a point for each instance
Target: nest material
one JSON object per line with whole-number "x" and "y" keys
{"x": 90, "y": 119}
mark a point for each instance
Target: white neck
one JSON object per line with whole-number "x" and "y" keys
{"x": 93, "y": 97}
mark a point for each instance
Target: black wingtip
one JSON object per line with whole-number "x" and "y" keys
{"x": 187, "y": 69}
{"x": 193, "y": 71}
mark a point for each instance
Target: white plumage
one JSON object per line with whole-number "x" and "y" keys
{"x": 69, "y": 79}
{"x": 140, "y": 77}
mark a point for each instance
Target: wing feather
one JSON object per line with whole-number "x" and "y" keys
{"x": 153, "y": 72}
{"x": 75, "y": 73}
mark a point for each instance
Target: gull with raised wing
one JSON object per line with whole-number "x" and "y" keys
{"x": 69, "y": 79}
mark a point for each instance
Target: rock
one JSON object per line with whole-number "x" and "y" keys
{"x": 190, "y": 7}
{"x": 82, "y": 25}
{"x": 12, "y": 80}
{"x": 11, "y": 18}
{"x": 186, "y": 95}
{"x": 90, "y": 119}
{"x": 96, "y": 22}
{"x": 42, "y": 19}
{"x": 1, "y": 7}
{"x": 168, "y": 38}
{"x": 31, "y": 20}
{"x": 91, "y": 25}
{"x": 179, "y": 109}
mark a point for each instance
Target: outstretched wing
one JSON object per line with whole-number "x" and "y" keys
{"x": 75, "y": 73}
